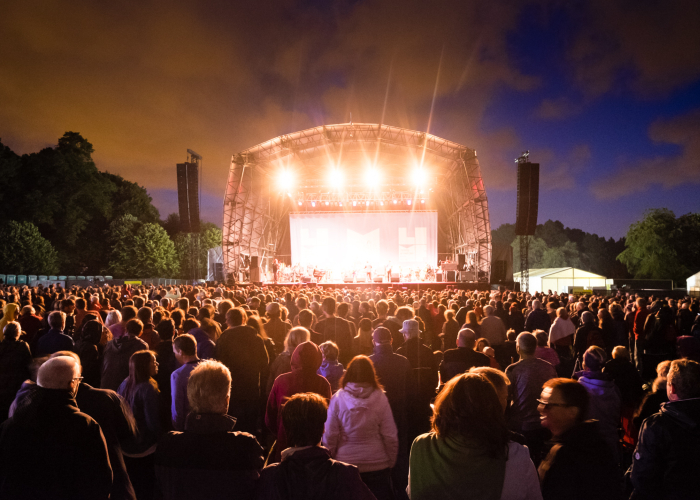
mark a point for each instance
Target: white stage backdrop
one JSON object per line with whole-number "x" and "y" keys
{"x": 346, "y": 240}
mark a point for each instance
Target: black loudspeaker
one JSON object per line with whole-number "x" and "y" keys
{"x": 528, "y": 198}
{"x": 254, "y": 274}
{"x": 188, "y": 196}
{"x": 219, "y": 271}
{"x": 253, "y": 262}
{"x": 451, "y": 276}
{"x": 499, "y": 270}
{"x": 395, "y": 277}
{"x": 379, "y": 279}
{"x": 461, "y": 260}
{"x": 438, "y": 277}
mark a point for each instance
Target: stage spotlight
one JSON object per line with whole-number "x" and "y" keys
{"x": 419, "y": 176}
{"x": 285, "y": 179}
{"x": 367, "y": 203}
{"x": 341, "y": 204}
{"x": 299, "y": 203}
{"x": 327, "y": 203}
{"x": 408, "y": 202}
{"x": 313, "y": 203}
{"x": 336, "y": 178}
{"x": 381, "y": 203}
{"x": 372, "y": 177}
{"x": 354, "y": 203}
{"x": 394, "y": 202}
{"x": 422, "y": 201}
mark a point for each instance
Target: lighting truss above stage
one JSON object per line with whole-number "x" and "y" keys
{"x": 353, "y": 167}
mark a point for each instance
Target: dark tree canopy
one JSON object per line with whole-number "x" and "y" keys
{"x": 555, "y": 245}
{"x": 24, "y": 251}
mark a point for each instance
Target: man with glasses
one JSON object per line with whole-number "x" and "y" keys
{"x": 49, "y": 449}
{"x": 580, "y": 465}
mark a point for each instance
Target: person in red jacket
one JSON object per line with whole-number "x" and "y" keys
{"x": 306, "y": 361}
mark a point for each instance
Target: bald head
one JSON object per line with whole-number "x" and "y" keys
{"x": 466, "y": 338}
{"x": 58, "y": 373}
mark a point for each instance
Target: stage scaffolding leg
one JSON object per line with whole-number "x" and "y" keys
{"x": 524, "y": 264}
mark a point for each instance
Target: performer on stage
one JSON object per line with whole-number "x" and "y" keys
{"x": 275, "y": 268}
{"x": 368, "y": 272}
{"x": 388, "y": 272}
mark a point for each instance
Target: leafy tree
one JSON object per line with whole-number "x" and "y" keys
{"x": 23, "y": 250}
{"x": 660, "y": 246}
{"x": 141, "y": 250}
{"x": 171, "y": 224}
{"x": 62, "y": 192}
{"x": 209, "y": 237}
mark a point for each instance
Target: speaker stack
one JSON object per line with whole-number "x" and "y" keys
{"x": 528, "y": 198}
{"x": 188, "y": 196}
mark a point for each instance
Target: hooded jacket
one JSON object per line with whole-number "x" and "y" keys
{"x": 306, "y": 360}
{"x": 115, "y": 363}
{"x": 605, "y": 405}
{"x": 360, "y": 428}
{"x": 666, "y": 461}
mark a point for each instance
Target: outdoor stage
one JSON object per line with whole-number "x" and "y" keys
{"x": 422, "y": 285}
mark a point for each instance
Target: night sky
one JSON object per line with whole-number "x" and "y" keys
{"x": 604, "y": 94}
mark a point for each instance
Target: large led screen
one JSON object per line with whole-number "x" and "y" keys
{"x": 350, "y": 240}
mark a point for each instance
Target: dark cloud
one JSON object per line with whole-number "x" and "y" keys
{"x": 652, "y": 47}
{"x": 667, "y": 171}
{"x": 557, "y": 108}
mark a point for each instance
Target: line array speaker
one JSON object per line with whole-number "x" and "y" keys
{"x": 528, "y": 198}
{"x": 188, "y": 196}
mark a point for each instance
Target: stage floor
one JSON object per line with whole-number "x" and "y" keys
{"x": 415, "y": 285}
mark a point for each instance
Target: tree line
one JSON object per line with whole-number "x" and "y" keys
{"x": 659, "y": 246}
{"x": 61, "y": 214}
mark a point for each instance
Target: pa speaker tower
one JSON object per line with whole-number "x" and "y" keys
{"x": 188, "y": 196}
{"x": 528, "y": 198}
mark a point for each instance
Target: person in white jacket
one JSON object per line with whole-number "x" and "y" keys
{"x": 360, "y": 428}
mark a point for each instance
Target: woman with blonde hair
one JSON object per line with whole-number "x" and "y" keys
{"x": 10, "y": 313}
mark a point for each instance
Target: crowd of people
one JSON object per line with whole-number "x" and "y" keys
{"x": 152, "y": 392}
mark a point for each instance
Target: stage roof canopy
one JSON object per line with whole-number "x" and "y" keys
{"x": 349, "y": 162}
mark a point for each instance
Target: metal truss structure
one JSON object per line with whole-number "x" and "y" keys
{"x": 256, "y": 209}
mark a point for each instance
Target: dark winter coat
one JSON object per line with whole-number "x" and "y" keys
{"x": 14, "y": 369}
{"x": 666, "y": 460}
{"x": 208, "y": 460}
{"x": 115, "y": 362}
{"x": 243, "y": 352}
{"x": 311, "y": 474}
{"x": 580, "y": 466}
{"x": 50, "y": 450}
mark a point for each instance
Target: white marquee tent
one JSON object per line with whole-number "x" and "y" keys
{"x": 694, "y": 285}
{"x": 559, "y": 279}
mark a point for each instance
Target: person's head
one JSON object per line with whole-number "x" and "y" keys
{"x": 273, "y": 310}
{"x": 481, "y": 344}
{"x": 490, "y": 352}
{"x": 471, "y": 318}
{"x": 294, "y": 337}
{"x": 562, "y": 313}
{"x": 329, "y": 350}
{"x": 12, "y": 330}
{"x": 185, "y": 348}
{"x": 80, "y": 304}
{"x": 410, "y": 329}
{"x": 303, "y": 419}
{"x": 562, "y": 404}
{"x": 382, "y": 308}
{"x": 235, "y": 316}
{"x": 683, "y": 380}
{"x": 190, "y": 324}
{"x": 306, "y": 318}
{"x": 28, "y": 311}
{"x": 134, "y": 327}
{"x": 113, "y": 317}
{"x": 542, "y": 338}
{"x": 381, "y": 336}
{"x": 499, "y": 380}
{"x": 587, "y": 317}
{"x": 469, "y": 407}
{"x": 466, "y": 338}
{"x": 511, "y": 335}
{"x": 360, "y": 371}
{"x": 594, "y": 359}
{"x": 526, "y": 344}
{"x": 328, "y": 306}
{"x": 621, "y": 352}
{"x": 128, "y": 312}
{"x": 60, "y": 372}
{"x": 57, "y": 320}
{"x": 209, "y": 388}
{"x": 366, "y": 325}
{"x": 404, "y": 313}
{"x": 662, "y": 370}
{"x": 166, "y": 329}
{"x": 489, "y": 311}
{"x": 536, "y": 304}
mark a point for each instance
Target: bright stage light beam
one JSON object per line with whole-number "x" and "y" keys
{"x": 285, "y": 180}
{"x": 336, "y": 178}
{"x": 419, "y": 177}
{"x": 373, "y": 177}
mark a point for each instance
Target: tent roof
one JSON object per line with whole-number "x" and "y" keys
{"x": 560, "y": 272}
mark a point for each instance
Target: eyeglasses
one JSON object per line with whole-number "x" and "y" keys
{"x": 79, "y": 379}
{"x": 548, "y": 405}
